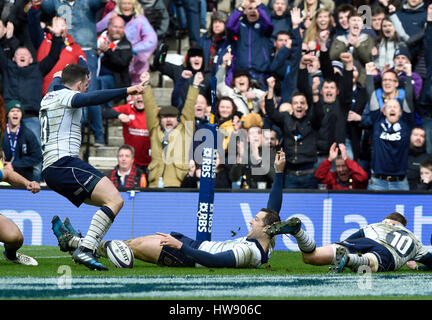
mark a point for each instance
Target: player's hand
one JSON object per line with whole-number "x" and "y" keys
{"x": 198, "y": 78}
{"x": 170, "y": 241}
{"x": 124, "y": 118}
{"x": 187, "y": 74}
{"x": 391, "y": 8}
{"x": 412, "y": 265}
{"x": 33, "y": 186}
{"x": 333, "y": 152}
{"x": 36, "y": 3}
{"x": 137, "y": 89}
{"x": 280, "y": 161}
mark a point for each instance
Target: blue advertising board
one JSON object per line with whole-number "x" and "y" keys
{"x": 329, "y": 217}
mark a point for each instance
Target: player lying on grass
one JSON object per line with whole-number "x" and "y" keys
{"x": 10, "y": 234}
{"x": 384, "y": 246}
{"x": 177, "y": 250}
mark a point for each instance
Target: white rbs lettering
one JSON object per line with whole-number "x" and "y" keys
{"x": 390, "y": 136}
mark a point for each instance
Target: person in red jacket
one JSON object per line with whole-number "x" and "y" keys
{"x": 348, "y": 175}
{"x": 135, "y": 132}
{"x": 71, "y": 51}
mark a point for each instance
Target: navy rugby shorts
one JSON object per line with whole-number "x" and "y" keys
{"x": 72, "y": 178}
{"x": 366, "y": 245}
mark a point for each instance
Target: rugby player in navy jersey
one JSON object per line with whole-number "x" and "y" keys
{"x": 10, "y": 234}
{"x": 60, "y": 117}
{"x": 177, "y": 250}
{"x": 383, "y": 246}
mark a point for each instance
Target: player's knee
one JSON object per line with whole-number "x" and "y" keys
{"x": 116, "y": 203}
{"x": 14, "y": 238}
{"x": 308, "y": 258}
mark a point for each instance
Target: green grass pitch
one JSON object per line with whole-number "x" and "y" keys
{"x": 284, "y": 277}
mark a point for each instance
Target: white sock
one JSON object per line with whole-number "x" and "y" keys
{"x": 355, "y": 261}
{"x": 75, "y": 242}
{"x": 305, "y": 242}
{"x": 99, "y": 226}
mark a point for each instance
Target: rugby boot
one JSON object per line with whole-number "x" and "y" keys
{"x": 291, "y": 226}
{"x": 70, "y": 228}
{"x": 22, "y": 259}
{"x": 86, "y": 257}
{"x": 62, "y": 234}
{"x": 340, "y": 261}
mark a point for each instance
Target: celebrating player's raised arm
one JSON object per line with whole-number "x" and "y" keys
{"x": 275, "y": 197}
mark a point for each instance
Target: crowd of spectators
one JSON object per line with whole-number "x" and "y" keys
{"x": 344, "y": 88}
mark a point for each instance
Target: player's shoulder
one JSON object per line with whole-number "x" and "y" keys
{"x": 57, "y": 97}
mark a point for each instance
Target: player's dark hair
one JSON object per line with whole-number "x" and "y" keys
{"x": 396, "y": 216}
{"x": 127, "y": 147}
{"x": 271, "y": 217}
{"x": 73, "y": 73}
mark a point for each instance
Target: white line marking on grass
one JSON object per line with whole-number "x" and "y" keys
{"x": 240, "y": 287}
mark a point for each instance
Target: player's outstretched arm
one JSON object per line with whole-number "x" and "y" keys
{"x": 275, "y": 197}
{"x": 427, "y": 261}
{"x": 224, "y": 259}
{"x": 103, "y": 96}
{"x": 17, "y": 180}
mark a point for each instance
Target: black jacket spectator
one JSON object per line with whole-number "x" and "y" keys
{"x": 27, "y": 152}
{"x": 25, "y": 83}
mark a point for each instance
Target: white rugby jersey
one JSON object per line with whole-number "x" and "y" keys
{"x": 60, "y": 126}
{"x": 248, "y": 252}
{"x": 402, "y": 243}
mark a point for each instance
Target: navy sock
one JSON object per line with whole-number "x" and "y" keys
{"x": 10, "y": 253}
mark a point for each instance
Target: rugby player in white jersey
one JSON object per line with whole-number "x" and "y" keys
{"x": 384, "y": 246}
{"x": 177, "y": 250}
{"x": 10, "y": 234}
{"x": 63, "y": 171}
